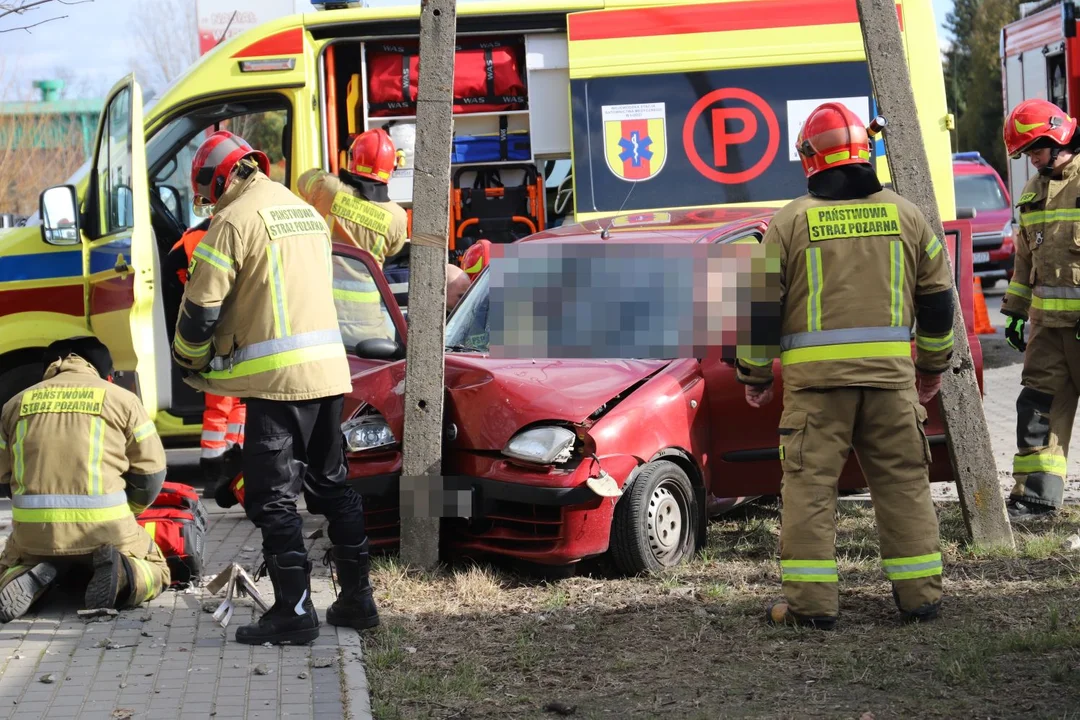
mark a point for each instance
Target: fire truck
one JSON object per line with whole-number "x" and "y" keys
{"x": 1040, "y": 58}
{"x": 653, "y": 105}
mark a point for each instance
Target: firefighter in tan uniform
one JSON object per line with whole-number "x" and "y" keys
{"x": 79, "y": 458}
{"x": 357, "y": 207}
{"x": 258, "y": 322}
{"x": 1045, "y": 291}
{"x": 356, "y": 203}
{"x": 860, "y": 265}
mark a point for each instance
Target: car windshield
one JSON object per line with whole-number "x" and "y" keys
{"x": 981, "y": 192}
{"x": 469, "y": 328}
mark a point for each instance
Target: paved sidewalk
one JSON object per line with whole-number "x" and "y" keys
{"x": 170, "y": 659}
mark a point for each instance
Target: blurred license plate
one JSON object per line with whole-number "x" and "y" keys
{"x": 981, "y": 257}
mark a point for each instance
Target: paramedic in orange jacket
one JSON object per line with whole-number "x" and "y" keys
{"x": 223, "y": 417}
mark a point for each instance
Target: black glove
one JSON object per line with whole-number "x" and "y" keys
{"x": 1014, "y": 333}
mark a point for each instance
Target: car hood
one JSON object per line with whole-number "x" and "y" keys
{"x": 990, "y": 220}
{"x": 488, "y": 399}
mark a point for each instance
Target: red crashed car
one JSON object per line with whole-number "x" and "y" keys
{"x": 978, "y": 186}
{"x": 523, "y": 438}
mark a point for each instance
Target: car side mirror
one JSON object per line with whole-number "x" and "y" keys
{"x": 59, "y": 209}
{"x": 965, "y": 213}
{"x": 380, "y": 349}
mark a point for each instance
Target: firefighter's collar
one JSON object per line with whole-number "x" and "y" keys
{"x": 72, "y": 363}
{"x": 237, "y": 189}
{"x": 1070, "y": 169}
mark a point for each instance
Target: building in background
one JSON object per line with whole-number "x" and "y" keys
{"x": 41, "y": 144}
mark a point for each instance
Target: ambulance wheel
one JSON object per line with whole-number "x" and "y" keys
{"x": 17, "y": 379}
{"x": 655, "y": 523}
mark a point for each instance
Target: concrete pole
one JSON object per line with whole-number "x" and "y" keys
{"x": 422, "y": 444}
{"x": 965, "y": 422}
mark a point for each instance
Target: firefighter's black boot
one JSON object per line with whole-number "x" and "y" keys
{"x": 20, "y": 594}
{"x": 355, "y": 605}
{"x": 112, "y": 582}
{"x": 925, "y": 613}
{"x": 292, "y": 619}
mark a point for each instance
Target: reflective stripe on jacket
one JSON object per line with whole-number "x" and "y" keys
{"x": 1045, "y": 286}
{"x": 854, "y": 275}
{"x": 82, "y": 458}
{"x": 258, "y": 316}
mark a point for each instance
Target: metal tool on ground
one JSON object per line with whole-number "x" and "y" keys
{"x": 237, "y": 583}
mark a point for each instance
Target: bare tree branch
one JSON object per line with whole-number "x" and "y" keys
{"x": 166, "y": 39}
{"x": 20, "y": 7}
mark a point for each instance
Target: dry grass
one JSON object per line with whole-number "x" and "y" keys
{"x": 478, "y": 642}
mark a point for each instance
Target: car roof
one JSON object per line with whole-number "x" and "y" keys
{"x": 969, "y": 167}
{"x": 674, "y": 226}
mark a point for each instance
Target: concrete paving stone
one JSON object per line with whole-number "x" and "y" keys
{"x": 31, "y": 707}
{"x": 69, "y": 699}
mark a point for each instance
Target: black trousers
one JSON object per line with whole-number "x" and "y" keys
{"x": 294, "y": 445}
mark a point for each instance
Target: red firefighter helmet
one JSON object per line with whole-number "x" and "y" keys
{"x": 832, "y": 136}
{"x": 1032, "y": 120}
{"x": 214, "y": 160}
{"x": 372, "y": 155}
{"x": 476, "y": 258}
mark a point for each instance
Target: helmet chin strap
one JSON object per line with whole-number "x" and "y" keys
{"x": 1048, "y": 169}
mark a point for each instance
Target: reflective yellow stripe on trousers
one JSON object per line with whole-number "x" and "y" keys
{"x": 809, "y": 571}
{"x": 909, "y": 568}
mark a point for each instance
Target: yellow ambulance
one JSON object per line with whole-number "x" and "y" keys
{"x": 652, "y": 105}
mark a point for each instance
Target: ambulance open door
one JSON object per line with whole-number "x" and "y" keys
{"x": 119, "y": 261}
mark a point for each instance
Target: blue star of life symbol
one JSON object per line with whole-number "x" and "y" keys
{"x": 635, "y": 149}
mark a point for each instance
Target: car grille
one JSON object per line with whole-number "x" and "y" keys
{"x": 516, "y": 526}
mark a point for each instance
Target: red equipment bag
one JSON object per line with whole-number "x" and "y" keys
{"x": 487, "y": 78}
{"x": 183, "y": 497}
{"x": 177, "y": 521}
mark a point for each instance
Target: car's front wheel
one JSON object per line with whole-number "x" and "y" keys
{"x": 655, "y": 523}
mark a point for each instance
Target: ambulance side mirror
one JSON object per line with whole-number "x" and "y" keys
{"x": 59, "y": 208}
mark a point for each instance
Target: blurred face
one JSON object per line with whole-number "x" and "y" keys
{"x": 1039, "y": 158}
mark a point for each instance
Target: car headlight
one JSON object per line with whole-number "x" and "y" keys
{"x": 367, "y": 432}
{"x": 544, "y": 445}
{"x": 1007, "y": 231}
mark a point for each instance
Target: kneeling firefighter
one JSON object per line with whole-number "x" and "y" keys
{"x": 223, "y": 417}
{"x": 859, "y": 266}
{"x": 79, "y": 458}
{"x": 258, "y": 322}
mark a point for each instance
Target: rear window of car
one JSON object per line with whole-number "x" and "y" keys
{"x": 981, "y": 192}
